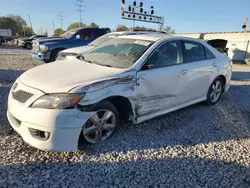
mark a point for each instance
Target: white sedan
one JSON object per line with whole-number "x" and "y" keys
{"x": 137, "y": 77}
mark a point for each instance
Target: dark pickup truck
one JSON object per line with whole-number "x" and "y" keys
{"x": 27, "y": 42}
{"x": 47, "y": 49}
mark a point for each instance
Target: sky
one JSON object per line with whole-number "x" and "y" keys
{"x": 182, "y": 15}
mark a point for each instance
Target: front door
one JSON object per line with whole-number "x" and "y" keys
{"x": 160, "y": 80}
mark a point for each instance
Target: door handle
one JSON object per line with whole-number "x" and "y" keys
{"x": 214, "y": 64}
{"x": 184, "y": 72}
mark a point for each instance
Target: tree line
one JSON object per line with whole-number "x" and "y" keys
{"x": 19, "y": 26}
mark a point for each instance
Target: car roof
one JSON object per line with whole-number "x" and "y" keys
{"x": 148, "y": 37}
{"x": 157, "y": 36}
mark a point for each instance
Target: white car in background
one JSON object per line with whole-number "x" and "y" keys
{"x": 73, "y": 52}
{"x": 136, "y": 77}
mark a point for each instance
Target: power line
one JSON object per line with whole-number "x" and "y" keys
{"x": 80, "y": 4}
{"x": 61, "y": 18}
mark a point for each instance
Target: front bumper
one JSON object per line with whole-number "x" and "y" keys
{"x": 40, "y": 56}
{"x": 64, "y": 126}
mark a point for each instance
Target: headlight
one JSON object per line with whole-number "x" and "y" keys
{"x": 44, "y": 48}
{"x": 57, "y": 101}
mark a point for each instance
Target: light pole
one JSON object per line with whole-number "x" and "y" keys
{"x": 143, "y": 16}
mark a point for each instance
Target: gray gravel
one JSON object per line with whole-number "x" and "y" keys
{"x": 199, "y": 146}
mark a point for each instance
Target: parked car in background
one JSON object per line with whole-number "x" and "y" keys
{"x": 47, "y": 49}
{"x": 136, "y": 77}
{"x": 73, "y": 52}
{"x": 220, "y": 45}
{"x": 27, "y": 42}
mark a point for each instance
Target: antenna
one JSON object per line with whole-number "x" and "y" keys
{"x": 60, "y": 16}
{"x": 80, "y": 4}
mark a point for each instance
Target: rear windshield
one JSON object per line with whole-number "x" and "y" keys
{"x": 118, "y": 52}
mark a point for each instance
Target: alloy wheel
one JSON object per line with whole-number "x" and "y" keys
{"x": 100, "y": 126}
{"x": 216, "y": 90}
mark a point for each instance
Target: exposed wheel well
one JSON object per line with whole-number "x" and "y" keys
{"x": 54, "y": 53}
{"x": 123, "y": 106}
{"x": 223, "y": 78}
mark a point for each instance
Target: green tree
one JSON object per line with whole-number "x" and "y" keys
{"x": 75, "y": 25}
{"x": 93, "y": 25}
{"x": 121, "y": 28}
{"x": 28, "y": 31}
{"x": 169, "y": 30}
{"x": 58, "y": 32}
{"x": 13, "y": 22}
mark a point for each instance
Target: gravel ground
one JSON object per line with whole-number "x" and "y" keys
{"x": 199, "y": 146}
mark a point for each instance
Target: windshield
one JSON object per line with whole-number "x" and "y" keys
{"x": 118, "y": 52}
{"x": 68, "y": 34}
{"x": 103, "y": 39}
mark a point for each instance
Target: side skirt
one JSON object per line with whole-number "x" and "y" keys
{"x": 162, "y": 112}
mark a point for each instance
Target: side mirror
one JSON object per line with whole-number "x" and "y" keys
{"x": 77, "y": 37}
{"x": 147, "y": 66}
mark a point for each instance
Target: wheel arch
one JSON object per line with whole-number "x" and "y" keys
{"x": 123, "y": 106}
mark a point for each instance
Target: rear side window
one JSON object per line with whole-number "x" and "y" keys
{"x": 209, "y": 54}
{"x": 193, "y": 52}
{"x": 99, "y": 32}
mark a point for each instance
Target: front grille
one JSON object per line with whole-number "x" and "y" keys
{"x": 21, "y": 96}
{"x": 35, "y": 46}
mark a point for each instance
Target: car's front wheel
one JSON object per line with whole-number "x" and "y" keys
{"x": 28, "y": 46}
{"x": 215, "y": 91}
{"x": 102, "y": 124}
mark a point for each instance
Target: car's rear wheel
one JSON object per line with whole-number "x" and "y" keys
{"x": 215, "y": 91}
{"x": 102, "y": 124}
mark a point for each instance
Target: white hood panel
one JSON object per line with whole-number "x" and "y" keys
{"x": 78, "y": 50}
{"x": 62, "y": 76}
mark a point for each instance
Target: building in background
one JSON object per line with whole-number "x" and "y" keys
{"x": 5, "y": 32}
{"x": 237, "y": 42}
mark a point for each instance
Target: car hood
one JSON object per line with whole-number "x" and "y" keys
{"x": 77, "y": 50}
{"x": 48, "y": 38}
{"x": 62, "y": 76}
{"x": 53, "y": 40}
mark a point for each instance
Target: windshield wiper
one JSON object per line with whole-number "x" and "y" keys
{"x": 95, "y": 62}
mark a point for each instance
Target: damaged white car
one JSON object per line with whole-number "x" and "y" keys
{"x": 136, "y": 77}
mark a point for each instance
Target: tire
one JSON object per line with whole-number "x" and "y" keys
{"x": 91, "y": 130}
{"x": 28, "y": 46}
{"x": 213, "y": 98}
{"x": 54, "y": 54}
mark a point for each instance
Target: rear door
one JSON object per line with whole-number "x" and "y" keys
{"x": 201, "y": 69}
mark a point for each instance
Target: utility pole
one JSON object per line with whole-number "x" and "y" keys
{"x": 30, "y": 23}
{"x": 53, "y": 27}
{"x": 80, "y": 4}
{"x": 60, "y": 16}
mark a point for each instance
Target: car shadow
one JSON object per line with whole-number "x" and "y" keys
{"x": 142, "y": 172}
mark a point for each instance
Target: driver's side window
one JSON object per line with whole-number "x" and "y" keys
{"x": 86, "y": 34}
{"x": 167, "y": 54}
